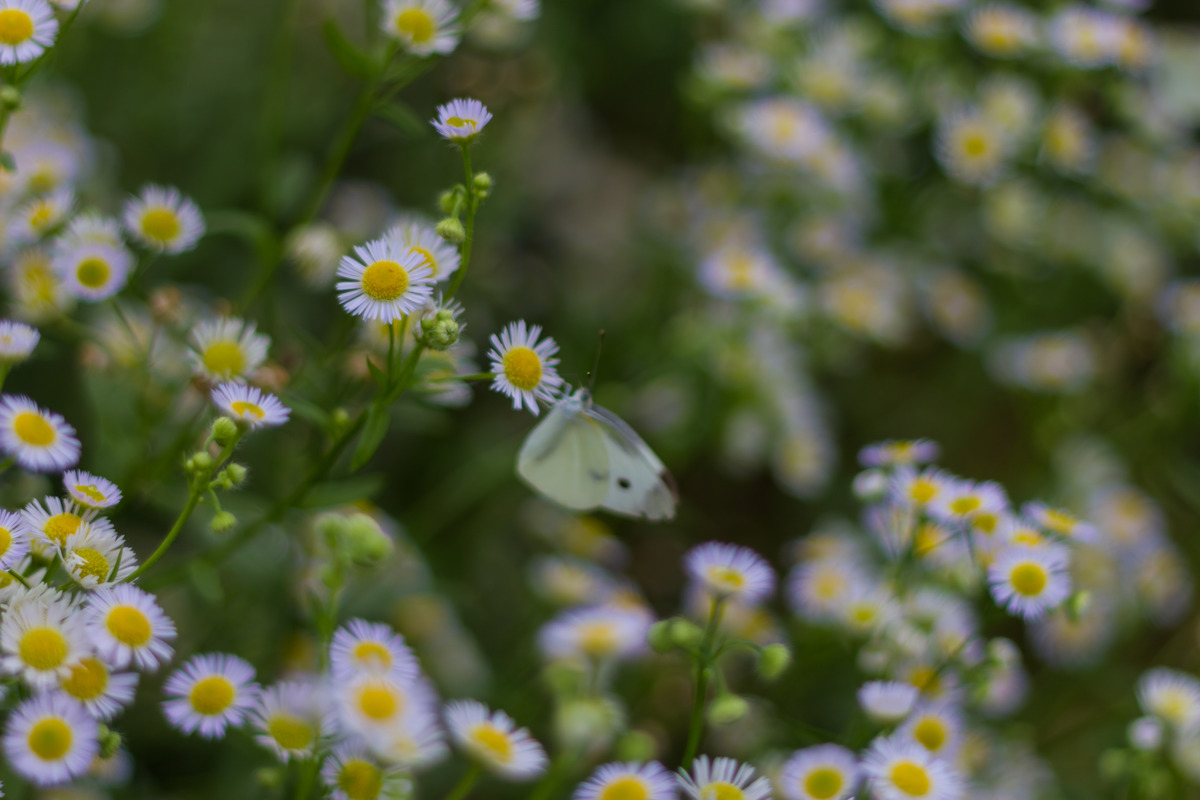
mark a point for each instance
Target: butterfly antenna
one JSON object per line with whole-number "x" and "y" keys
{"x": 596, "y": 366}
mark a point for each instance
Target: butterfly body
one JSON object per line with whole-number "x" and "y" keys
{"x": 584, "y": 457}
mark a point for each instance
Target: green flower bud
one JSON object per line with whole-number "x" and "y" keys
{"x": 448, "y": 201}
{"x": 199, "y": 461}
{"x": 685, "y": 633}
{"x": 564, "y": 679}
{"x": 364, "y": 541}
{"x": 270, "y": 777}
{"x": 236, "y": 474}
{"x": 774, "y": 660}
{"x": 659, "y": 637}
{"x": 452, "y": 230}
{"x": 10, "y": 98}
{"x": 483, "y": 181}
{"x": 588, "y": 723}
{"x": 223, "y": 522}
{"x": 440, "y": 332}
{"x": 331, "y": 526}
{"x": 224, "y": 430}
{"x": 726, "y": 709}
{"x": 110, "y": 742}
{"x": 636, "y": 746}
{"x": 1078, "y": 604}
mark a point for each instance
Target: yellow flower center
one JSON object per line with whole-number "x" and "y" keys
{"x": 597, "y": 638}
{"x": 384, "y": 280}
{"x": 94, "y": 564}
{"x": 931, "y": 733}
{"x": 523, "y": 368}
{"x": 1028, "y": 579}
{"x": 911, "y": 778}
{"x": 160, "y": 224}
{"x": 43, "y": 648}
{"x": 460, "y": 122}
{"x": 5, "y": 540}
{"x": 416, "y": 24}
{"x": 922, "y": 490}
{"x": 373, "y": 654}
{"x": 60, "y": 526}
{"x": 379, "y": 702}
{"x": 722, "y": 791}
{"x": 975, "y": 145}
{"x": 494, "y": 741}
{"x": 823, "y": 783}
{"x": 128, "y": 625}
{"x": 427, "y": 259}
{"x": 16, "y": 26}
{"x": 88, "y": 679}
{"x": 626, "y": 788}
{"x": 91, "y": 492}
{"x": 360, "y": 780}
{"x": 50, "y": 738}
{"x": 965, "y": 505}
{"x": 212, "y": 695}
{"x": 925, "y": 679}
{"x": 985, "y": 523}
{"x": 243, "y": 409}
{"x": 33, "y": 429}
{"x": 92, "y": 273}
{"x": 727, "y": 578}
{"x": 1059, "y": 521}
{"x": 290, "y": 732}
{"x": 224, "y": 358}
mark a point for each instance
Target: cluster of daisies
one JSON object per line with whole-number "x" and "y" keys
{"x": 888, "y": 164}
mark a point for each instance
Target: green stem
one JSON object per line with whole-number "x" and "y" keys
{"x": 472, "y": 207}
{"x": 308, "y": 775}
{"x": 558, "y": 768}
{"x": 704, "y": 662}
{"x": 465, "y": 784}
{"x": 474, "y": 376}
{"x": 5, "y": 368}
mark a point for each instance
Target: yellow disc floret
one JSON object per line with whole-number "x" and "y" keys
{"x": 523, "y": 368}
{"x": 33, "y": 429}
{"x": 384, "y": 280}
{"x": 212, "y": 695}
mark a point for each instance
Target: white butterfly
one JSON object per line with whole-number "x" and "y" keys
{"x": 583, "y": 457}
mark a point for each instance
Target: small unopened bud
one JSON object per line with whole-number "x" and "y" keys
{"x": 448, "y": 201}
{"x": 223, "y": 522}
{"x": 200, "y": 460}
{"x": 483, "y": 181}
{"x": 110, "y": 742}
{"x": 236, "y": 474}
{"x": 1078, "y": 604}
{"x": 223, "y": 430}
{"x": 636, "y": 746}
{"x": 452, "y": 230}
{"x": 726, "y": 709}
{"x": 870, "y": 484}
{"x": 659, "y": 637}
{"x": 685, "y": 633}
{"x": 269, "y": 777}
{"x": 339, "y": 419}
{"x": 331, "y": 527}
{"x": 10, "y": 98}
{"x": 773, "y": 660}
{"x": 441, "y": 331}
{"x": 365, "y": 542}
{"x": 564, "y": 678}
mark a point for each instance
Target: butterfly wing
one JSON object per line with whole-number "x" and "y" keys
{"x": 638, "y": 483}
{"x": 565, "y": 459}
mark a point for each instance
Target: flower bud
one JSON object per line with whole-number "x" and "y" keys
{"x": 448, "y": 201}
{"x": 200, "y": 460}
{"x": 270, "y": 777}
{"x": 483, "y": 181}
{"x": 236, "y": 474}
{"x": 685, "y": 633}
{"x": 364, "y": 542}
{"x": 110, "y": 742}
{"x": 636, "y": 746}
{"x": 223, "y": 430}
{"x": 223, "y": 522}
{"x": 452, "y": 230}
{"x": 773, "y": 660}
{"x": 1078, "y": 604}
{"x": 726, "y": 709}
{"x": 440, "y": 332}
{"x": 10, "y": 98}
{"x": 659, "y": 637}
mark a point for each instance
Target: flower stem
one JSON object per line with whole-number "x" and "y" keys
{"x": 472, "y": 207}
{"x": 704, "y": 662}
{"x": 465, "y": 784}
{"x": 308, "y": 774}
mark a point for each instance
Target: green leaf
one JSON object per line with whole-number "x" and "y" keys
{"x": 350, "y": 58}
{"x": 403, "y": 119}
{"x": 376, "y": 373}
{"x": 376, "y": 427}
{"x": 339, "y": 493}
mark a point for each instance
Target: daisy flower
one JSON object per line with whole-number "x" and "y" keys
{"x": 1173, "y": 697}
{"x": 17, "y": 341}
{"x": 51, "y": 739}
{"x": 893, "y": 452}
{"x": 887, "y": 702}
{"x": 352, "y": 774}
{"x": 94, "y": 270}
{"x": 462, "y": 120}
{"x": 737, "y": 270}
{"x": 971, "y": 148}
{"x": 91, "y": 228}
{"x": 1084, "y": 37}
{"x": 51, "y": 521}
{"x": 368, "y": 704}
{"x": 1029, "y": 581}
{"x": 14, "y": 540}
{"x": 964, "y": 500}
{"x": 93, "y": 685}
{"x": 599, "y": 633}
{"x": 384, "y": 280}
{"x": 724, "y": 778}
{"x": 824, "y": 772}
{"x": 524, "y": 367}
{"x": 937, "y": 728}
{"x": 436, "y": 253}
{"x": 1060, "y": 522}
{"x": 27, "y": 28}
{"x": 494, "y": 740}
{"x": 126, "y": 626}
{"x": 910, "y": 488}
{"x": 91, "y": 491}
{"x": 227, "y": 348}
{"x": 900, "y": 770}
{"x": 291, "y": 717}
{"x": 360, "y": 647}
{"x": 1001, "y": 30}
{"x": 249, "y": 406}
{"x": 1069, "y": 141}
{"x": 162, "y": 219}
{"x": 417, "y": 742}
{"x": 821, "y": 590}
{"x": 424, "y": 27}
{"x": 96, "y": 555}
{"x": 38, "y": 217}
{"x": 41, "y": 640}
{"x": 39, "y": 440}
{"x": 209, "y": 693}
{"x": 628, "y": 781}
{"x": 727, "y": 570}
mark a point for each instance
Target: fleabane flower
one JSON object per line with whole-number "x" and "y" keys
{"x": 351, "y": 773}
{"x": 723, "y": 778}
{"x": 462, "y": 120}
{"x": 250, "y": 406}
{"x": 436, "y": 253}
{"x": 360, "y": 647}
{"x": 888, "y": 702}
{"x": 900, "y": 770}
{"x": 423, "y": 27}
{"x": 914, "y": 489}
{"x": 600, "y": 633}
{"x": 17, "y": 341}
{"x": 91, "y": 491}
{"x": 39, "y": 216}
{"x": 371, "y": 704}
{"x": 39, "y": 440}
{"x": 126, "y": 626}
{"x": 1171, "y": 696}
{"x": 937, "y": 728}
{"x": 494, "y": 740}
{"x": 1029, "y": 581}
{"x": 1001, "y": 30}
{"x": 628, "y": 781}
{"x": 96, "y": 556}
{"x": 52, "y": 521}
{"x": 824, "y": 772}
{"x": 524, "y": 366}
{"x": 51, "y": 739}
{"x": 893, "y": 452}
{"x": 291, "y": 717}
{"x": 727, "y": 570}
{"x": 14, "y": 540}
{"x": 1060, "y": 522}
{"x": 209, "y": 693}
{"x": 971, "y": 148}
{"x": 227, "y": 348}
{"x": 27, "y": 28}
{"x": 41, "y": 640}
{"x": 964, "y": 500}
{"x": 384, "y": 280}
{"x": 162, "y": 219}
{"x": 93, "y": 270}
{"x": 102, "y": 692}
